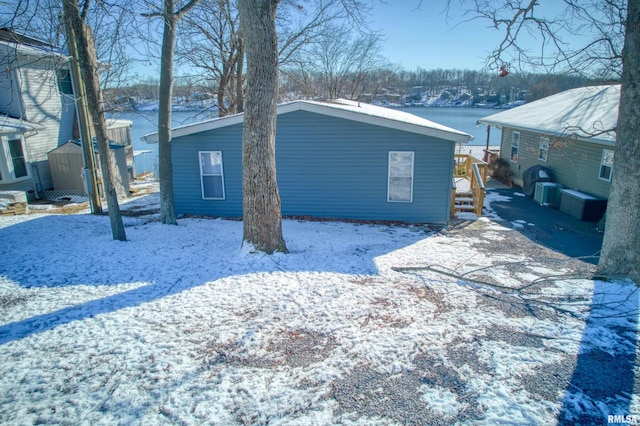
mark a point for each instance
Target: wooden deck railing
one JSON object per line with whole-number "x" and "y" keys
{"x": 475, "y": 171}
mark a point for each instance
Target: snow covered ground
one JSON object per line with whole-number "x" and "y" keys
{"x": 358, "y": 325}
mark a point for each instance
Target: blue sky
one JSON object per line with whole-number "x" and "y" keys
{"x": 429, "y": 38}
{"x": 426, "y": 38}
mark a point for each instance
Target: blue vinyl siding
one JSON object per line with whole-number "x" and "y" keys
{"x": 186, "y": 172}
{"x": 326, "y": 167}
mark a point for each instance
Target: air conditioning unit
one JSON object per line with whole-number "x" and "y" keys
{"x": 547, "y": 193}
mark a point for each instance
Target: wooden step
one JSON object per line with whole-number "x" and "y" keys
{"x": 465, "y": 207}
{"x": 464, "y": 199}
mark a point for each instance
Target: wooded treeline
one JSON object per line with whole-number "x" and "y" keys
{"x": 391, "y": 85}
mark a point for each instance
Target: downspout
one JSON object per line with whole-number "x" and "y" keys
{"x": 38, "y": 184}
{"x": 33, "y": 167}
{"x": 485, "y": 158}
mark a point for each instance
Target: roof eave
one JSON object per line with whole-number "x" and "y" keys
{"x": 457, "y": 137}
{"x": 590, "y": 139}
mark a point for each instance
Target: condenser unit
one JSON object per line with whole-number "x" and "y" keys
{"x": 547, "y": 193}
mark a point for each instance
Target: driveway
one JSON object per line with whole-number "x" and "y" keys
{"x": 545, "y": 225}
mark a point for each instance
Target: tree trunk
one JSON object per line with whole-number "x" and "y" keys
{"x": 167, "y": 209}
{"x": 222, "y": 86}
{"x": 89, "y": 67}
{"x": 239, "y": 75}
{"x": 261, "y": 199}
{"x": 620, "y": 256}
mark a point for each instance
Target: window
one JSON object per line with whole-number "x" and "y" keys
{"x": 400, "y": 185}
{"x": 13, "y": 162}
{"x": 64, "y": 82}
{"x": 211, "y": 175}
{"x": 606, "y": 165}
{"x": 515, "y": 146}
{"x": 543, "y": 151}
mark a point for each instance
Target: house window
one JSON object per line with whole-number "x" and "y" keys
{"x": 606, "y": 165}
{"x": 543, "y": 151}
{"x": 400, "y": 184}
{"x": 515, "y": 146}
{"x": 64, "y": 82}
{"x": 13, "y": 162}
{"x": 211, "y": 175}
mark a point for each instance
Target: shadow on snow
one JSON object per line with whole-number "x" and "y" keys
{"x": 549, "y": 227}
{"x": 76, "y": 250}
{"x": 603, "y": 380}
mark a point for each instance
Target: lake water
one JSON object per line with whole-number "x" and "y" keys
{"x": 144, "y": 122}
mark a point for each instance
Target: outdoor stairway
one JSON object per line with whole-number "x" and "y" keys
{"x": 468, "y": 185}
{"x": 464, "y": 202}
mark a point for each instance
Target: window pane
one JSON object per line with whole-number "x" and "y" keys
{"x": 606, "y": 164}
{"x": 211, "y": 163}
{"x": 400, "y": 164}
{"x": 514, "y": 153}
{"x": 17, "y": 158}
{"x": 543, "y": 153}
{"x": 212, "y": 187}
{"x": 515, "y": 145}
{"x": 399, "y": 189}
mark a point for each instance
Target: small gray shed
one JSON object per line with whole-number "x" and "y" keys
{"x": 66, "y": 164}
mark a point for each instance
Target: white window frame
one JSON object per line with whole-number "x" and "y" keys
{"x": 543, "y": 148}
{"x": 602, "y": 164}
{"x": 515, "y": 145}
{"x": 389, "y": 177}
{"x": 202, "y": 174}
{"x": 7, "y": 171}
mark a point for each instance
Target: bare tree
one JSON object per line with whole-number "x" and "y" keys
{"x": 110, "y": 23}
{"x": 89, "y": 67}
{"x": 210, "y": 40}
{"x": 261, "y": 199}
{"x": 343, "y": 63}
{"x": 170, "y": 18}
{"x": 613, "y": 50}
{"x": 620, "y": 254}
{"x": 602, "y": 21}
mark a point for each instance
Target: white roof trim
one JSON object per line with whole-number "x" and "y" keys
{"x": 340, "y": 108}
{"x": 9, "y": 125}
{"x": 35, "y": 51}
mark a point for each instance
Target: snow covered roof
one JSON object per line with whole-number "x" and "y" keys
{"x": 10, "y": 125}
{"x": 116, "y": 123}
{"x": 587, "y": 113}
{"x": 341, "y": 108}
{"x": 27, "y": 46}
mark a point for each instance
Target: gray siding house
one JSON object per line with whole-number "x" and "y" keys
{"x": 336, "y": 159}
{"x": 572, "y": 134}
{"x": 37, "y": 113}
{"x": 34, "y": 89}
